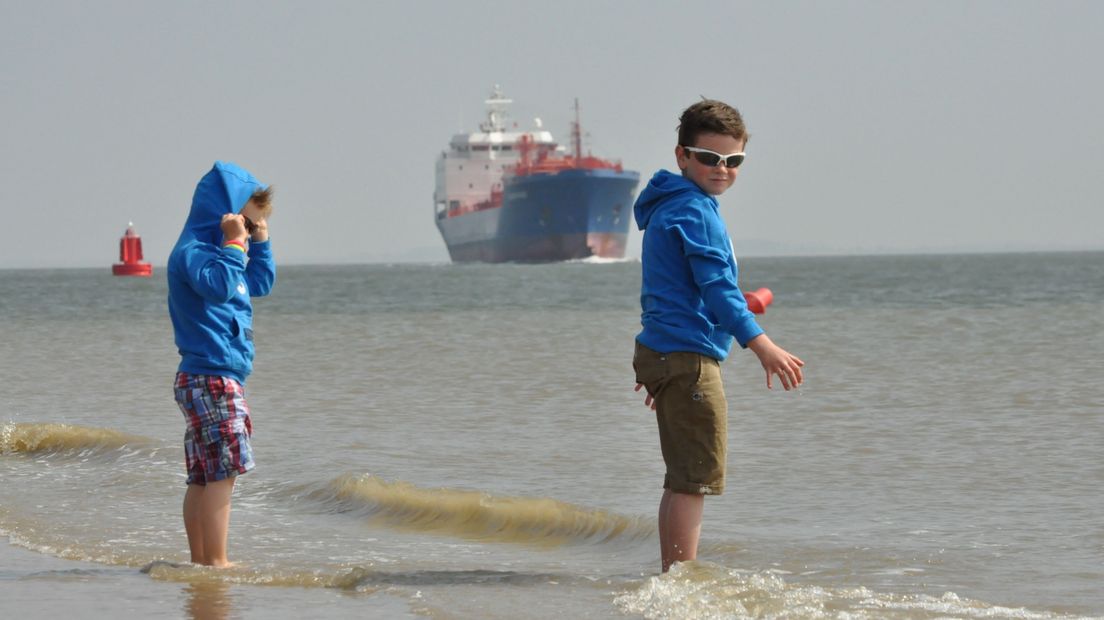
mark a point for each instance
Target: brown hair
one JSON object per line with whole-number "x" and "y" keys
{"x": 710, "y": 116}
{"x": 263, "y": 199}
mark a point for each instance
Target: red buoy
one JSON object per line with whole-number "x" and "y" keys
{"x": 130, "y": 253}
{"x": 758, "y": 300}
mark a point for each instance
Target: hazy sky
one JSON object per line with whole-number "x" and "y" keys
{"x": 876, "y": 126}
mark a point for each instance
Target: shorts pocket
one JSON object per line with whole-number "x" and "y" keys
{"x": 225, "y": 430}
{"x": 218, "y": 387}
{"x": 650, "y": 366}
{"x": 686, "y": 368}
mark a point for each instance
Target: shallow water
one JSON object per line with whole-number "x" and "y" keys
{"x": 463, "y": 441}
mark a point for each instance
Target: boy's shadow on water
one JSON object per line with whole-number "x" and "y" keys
{"x": 208, "y": 601}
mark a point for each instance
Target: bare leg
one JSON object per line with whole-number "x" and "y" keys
{"x": 683, "y": 517}
{"x": 193, "y": 524}
{"x": 215, "y": 521}
{"x": 664, "y": 510}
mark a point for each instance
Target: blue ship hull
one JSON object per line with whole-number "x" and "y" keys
{"x": 573, "y": 214}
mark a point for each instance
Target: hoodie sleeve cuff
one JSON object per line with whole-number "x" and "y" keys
{"x": 747, "y": 331}
{"x": 235, "y": 253}
{"x": 260, "y": 249}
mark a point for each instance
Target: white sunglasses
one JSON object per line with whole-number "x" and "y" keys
{"x": 714, "y": 159}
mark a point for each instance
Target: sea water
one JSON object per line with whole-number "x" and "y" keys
{"x": 463, "y": 441}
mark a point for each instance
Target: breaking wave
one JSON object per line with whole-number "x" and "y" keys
{"x": 28, "y": 438}
{"x": 707, "y": 591}
{"x": 476, "y": 515}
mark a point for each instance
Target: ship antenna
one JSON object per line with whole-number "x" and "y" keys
{"x": 496, "y": 111}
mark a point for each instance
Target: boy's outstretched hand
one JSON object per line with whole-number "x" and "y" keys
{"x": 777, "y": 361}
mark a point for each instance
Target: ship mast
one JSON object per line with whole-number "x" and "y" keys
{"x": 577, "y": 135}
{"x": 496, "y": 111}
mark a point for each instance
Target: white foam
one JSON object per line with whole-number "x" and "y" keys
{"x": 706, "y": 591}
{"x": 598, "y": 260}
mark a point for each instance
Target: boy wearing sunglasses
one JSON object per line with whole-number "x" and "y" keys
{"x": 692, "y": 309}
{"x": 223, "y": 258}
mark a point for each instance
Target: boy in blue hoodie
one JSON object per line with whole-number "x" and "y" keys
{"x": 221, "y": 260}
{"x": 692, "y": 309}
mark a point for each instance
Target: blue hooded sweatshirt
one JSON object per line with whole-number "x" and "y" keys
{"x": 210, "y": 286}
{"x": 689, "y": 297}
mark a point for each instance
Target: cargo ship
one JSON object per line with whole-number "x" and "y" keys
{"x": 506, "y": 195}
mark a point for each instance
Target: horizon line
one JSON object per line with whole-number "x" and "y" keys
{"x": 629, "y": 259}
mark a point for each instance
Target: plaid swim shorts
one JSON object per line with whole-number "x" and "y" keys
{"x": 216, "y": 444}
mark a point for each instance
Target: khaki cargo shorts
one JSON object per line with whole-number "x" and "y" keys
{"x": 693, "y": 417}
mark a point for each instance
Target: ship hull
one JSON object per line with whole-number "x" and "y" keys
{"x": 570, "y": 215}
